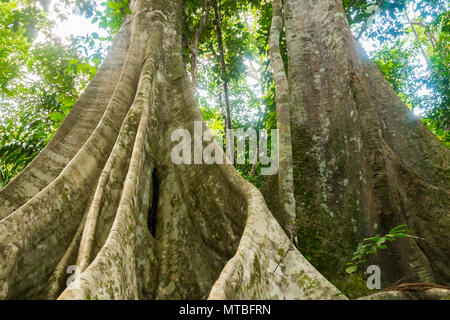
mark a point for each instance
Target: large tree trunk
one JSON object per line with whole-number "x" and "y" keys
{"x": 105, "y": 196}
{"x": 363, "y": 163}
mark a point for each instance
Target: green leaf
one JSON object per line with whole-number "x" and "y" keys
{"x": 112, "y": 4}
{"x": 397, "y": 228}
{"x": 56, "y": 117}
{"x": 351, "y": 269}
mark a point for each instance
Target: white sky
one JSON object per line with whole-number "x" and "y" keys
{"x": 75, "y": 25}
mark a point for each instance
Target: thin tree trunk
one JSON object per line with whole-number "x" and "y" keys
{"x": 416, "y": 35}
{"x": 229, "y": 123}
{"x": 430, "y": 33}
{"x": 194, "y": 47}
{"x": 259, "y": 146}
{"x": 285, "y": 172}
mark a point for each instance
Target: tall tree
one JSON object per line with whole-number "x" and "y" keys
{"x": 104, "y": 195}
{"x": 363, "y": 163}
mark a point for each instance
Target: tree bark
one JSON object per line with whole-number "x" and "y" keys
{"x": 105, "y": 196}
{"x": 285, "y": 171}
{"x": 363, "y": 163}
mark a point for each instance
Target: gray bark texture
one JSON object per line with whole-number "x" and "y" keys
{"x": 363, "y": 163}
{"x": 285, "y": 172}
{"x": 104, "y": 195}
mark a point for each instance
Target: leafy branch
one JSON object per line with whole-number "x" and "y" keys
{"x": 370, "y": 246}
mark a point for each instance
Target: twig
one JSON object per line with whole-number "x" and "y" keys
{"x": 291, "y": 244}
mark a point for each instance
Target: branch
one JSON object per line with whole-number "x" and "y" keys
{"x": 430, "y": 33}
{"x": 417, "y": 38}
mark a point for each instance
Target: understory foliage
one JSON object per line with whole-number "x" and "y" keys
{"x": 355, "y": 284}
{"x": 370, "y": 246}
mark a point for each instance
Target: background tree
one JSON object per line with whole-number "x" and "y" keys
{"x": 361, "y": 160}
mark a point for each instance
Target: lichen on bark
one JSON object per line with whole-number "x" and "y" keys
{"x": 104, "y": 194}
{"x": 363, "y": 163}
{"x": 112, "y": 203}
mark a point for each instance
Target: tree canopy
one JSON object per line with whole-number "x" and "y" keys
{"x": 41, "y": 75}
